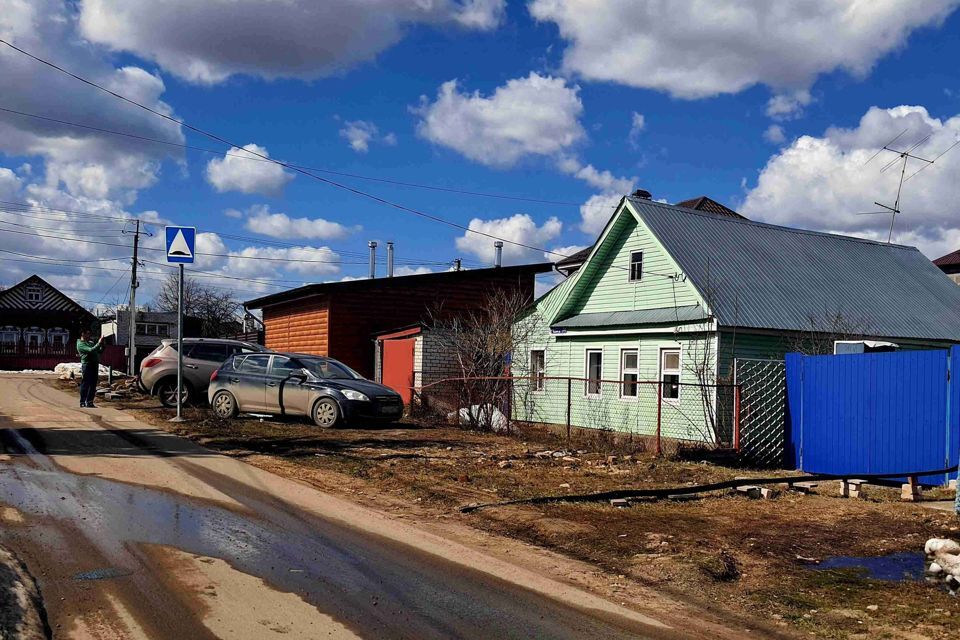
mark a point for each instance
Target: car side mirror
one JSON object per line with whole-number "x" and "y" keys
{"x": 303, "y": 375}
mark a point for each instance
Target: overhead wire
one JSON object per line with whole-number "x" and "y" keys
{"x": 213, "y": 136}
{"x": 343, "y": 174}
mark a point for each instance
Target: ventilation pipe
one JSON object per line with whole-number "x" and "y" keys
{"x": 457, "y": 264}
{"x": 499, "y": 247}
{"x": 373, "y": 258}
{"x": 389, "y": 259}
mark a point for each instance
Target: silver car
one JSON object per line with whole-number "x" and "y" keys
{"x": 326, "y": 390}
{"x": 201, "y": 357}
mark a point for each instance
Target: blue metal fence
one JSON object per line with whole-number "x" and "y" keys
{"x": 873, "y": 413}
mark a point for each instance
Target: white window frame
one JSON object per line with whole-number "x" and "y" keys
{"x": 33, "y": 293}
{"x": 624, "y": 371}
{"x": 586, "y": 374}
{"x": 539, "y": 377}
{"x": 678, "y": 372}
{"x": 630, "y": 277}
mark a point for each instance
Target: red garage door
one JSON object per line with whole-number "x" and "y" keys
{"x": 398, "y": 365}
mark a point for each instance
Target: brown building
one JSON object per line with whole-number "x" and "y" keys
{"x": 950, "y": 265}
{"x": 39, "y": 326}
{"x": 342, "y": 319}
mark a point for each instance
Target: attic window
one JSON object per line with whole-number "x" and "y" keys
{"x": 34, "y": 293}
{"x": 636, "y": 266}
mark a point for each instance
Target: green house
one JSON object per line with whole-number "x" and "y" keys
{"x": 669, "y": 298}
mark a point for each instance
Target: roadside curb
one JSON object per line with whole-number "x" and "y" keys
{"x": 22, "y": 614}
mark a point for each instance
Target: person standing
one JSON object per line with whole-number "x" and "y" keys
{"x": 89, "y": 352}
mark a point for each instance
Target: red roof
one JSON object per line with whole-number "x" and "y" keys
{"x": 950, "y": 262}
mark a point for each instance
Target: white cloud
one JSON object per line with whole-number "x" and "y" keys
{"x": 9, "y": 183}
{"x": 774, "y": 134}
{"x": 788, "y": 106}
{"x": 280, "y": 225}
{"x": 821, "y": 182}
{"x": 412, "y": 271}
{"x": 595, "y": 212}
{"x": 236, "y": 171}
{"x": 233, "y": 213}
{"x": 702, "y": 48}
{"x": 518, "y": 228}
{"x": 207, "y": 42}
{"x": 361, "y": 133}
{"x": 637, "y": 124}
{"x": 597, "y": 179}
{"x": 302, "y": 260}
{"x": 532, "y": 116}
{"x": 559, "y": 253}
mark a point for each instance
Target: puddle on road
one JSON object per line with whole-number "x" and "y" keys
{"x": 895, "y": 567}
{"x": 370, "y": 584}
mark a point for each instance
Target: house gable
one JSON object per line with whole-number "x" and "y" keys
{"x": 21, "y": 297}
{"x": 603, "y": 284}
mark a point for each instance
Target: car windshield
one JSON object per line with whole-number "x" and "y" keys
{"x": 329, "y": 369}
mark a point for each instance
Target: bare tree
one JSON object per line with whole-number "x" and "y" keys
{"x": 480, "y": 345}
{"x": 826, "y": 328}
{"x": 216, "y": 309}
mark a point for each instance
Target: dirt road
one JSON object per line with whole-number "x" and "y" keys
{"x": 132, "y": 532}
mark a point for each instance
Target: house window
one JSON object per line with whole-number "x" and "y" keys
{"x": 538, "y": 368}
{"x": 163, "y": 330}
{"x": 636, "y": 266}
{"x": 9, "y": 338}
{"x": 629, "y": 373}
{"x": 151, "y": 329}
{"x": 141, "y": 329}
{"x": 670, "y": 373}
{"x": 34, "y": 293}
{"x": 58, "y": 338}
{"x": 594, "y": 372}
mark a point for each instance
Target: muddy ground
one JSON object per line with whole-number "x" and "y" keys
{"x": 754, "y": 557}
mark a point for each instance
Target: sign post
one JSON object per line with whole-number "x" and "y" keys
{"x": 181, "y": 244}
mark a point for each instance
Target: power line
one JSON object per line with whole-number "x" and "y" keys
{"x": 220, "y": 139}
{"x": 343, "y": 174}
{"x": 267, "y": 241}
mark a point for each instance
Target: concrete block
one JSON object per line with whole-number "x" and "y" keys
{"x": 749, "y": 490}
{"x": 953, "y": 485}
{"x": 803, "y": 487}
{"x": 620, "y": 503}
{"x": 852, "y": 488}
{"x": 769, "y": 493}
{"x": 909, "y": 492}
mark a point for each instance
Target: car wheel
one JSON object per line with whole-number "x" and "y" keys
{"x": 326, "y": 413}
{"x": 224, "y": 405}
{"x": 166, "y": 391}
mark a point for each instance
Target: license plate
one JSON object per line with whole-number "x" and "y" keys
{"x": 390, "y": 409}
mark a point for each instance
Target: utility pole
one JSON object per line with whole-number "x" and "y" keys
{"x": 132, "y": 339}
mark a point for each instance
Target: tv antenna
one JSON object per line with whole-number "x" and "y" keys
{"x": 904, "y": 157}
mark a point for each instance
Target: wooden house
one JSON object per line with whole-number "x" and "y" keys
{"x": 39, "y": 326}
{"x": 669, "y": 298}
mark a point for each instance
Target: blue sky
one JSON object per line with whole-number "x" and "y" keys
{"x": 772, "y": 110}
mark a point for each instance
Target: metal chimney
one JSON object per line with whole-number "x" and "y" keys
{"x": 499, "y": 247}
{"x": 373, "y": 258}
{"x": 457, "y": 264}
{"x": 389, "y": 259}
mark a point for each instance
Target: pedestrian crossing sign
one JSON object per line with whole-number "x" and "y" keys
{"x": 181, "y": 242}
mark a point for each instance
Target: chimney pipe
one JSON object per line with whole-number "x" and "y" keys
{"x": 499, "y": 247}
{"x": 390, "y": 259}
{"x": 373, "y": 258}
{"x": 456, "y": 264}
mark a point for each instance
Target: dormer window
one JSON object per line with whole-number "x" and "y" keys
{"x": 34, "y": 293}
{"x": 636, "y": 266}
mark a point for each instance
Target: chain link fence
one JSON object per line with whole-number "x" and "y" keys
{"x": 761, "y": 440}
{"x": 670, "y": 415}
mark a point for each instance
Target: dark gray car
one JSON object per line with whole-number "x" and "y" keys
{"x": 326, "y": 390}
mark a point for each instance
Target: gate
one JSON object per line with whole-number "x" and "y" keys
{"x": 761, "y": 440}
{"x": 874, "y": 412}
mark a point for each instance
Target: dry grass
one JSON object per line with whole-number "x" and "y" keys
{"x": 749, "y": 556}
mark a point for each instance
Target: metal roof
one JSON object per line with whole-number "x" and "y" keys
{"x": 436, "y": 279}
{"x": 771, "y": 277}
{"x": 625, "y": 318}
